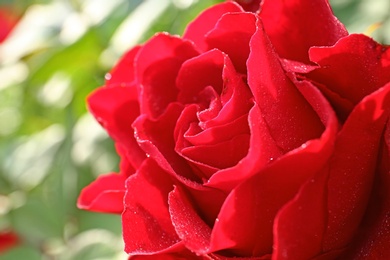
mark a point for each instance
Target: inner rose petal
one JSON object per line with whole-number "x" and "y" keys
{"x": 156, "y": 68}
{"x": 201, "y": 148}
{"x": 217, "y": 133}
{"x": 220, "y": 155}
{"x": 191, "y": 79}
{"x": 219, "y": 100}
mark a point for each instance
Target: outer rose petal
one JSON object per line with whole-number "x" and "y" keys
{"x": 353, "y": 68}
{"x": 352, "y": 167}
{"x": 206, "y": 21}
{"x": 191, "y": 229}
{"x": 296, "y": 25}
{"x": 105, "y": 194}
{"x": 288, "y": 115}
{"x": 193, "y": 212}
{"x": 147, "y": 228}
{"x": 306, "y": 214}
{"x": 123, "y": 72}
{"x": 300, "y": 225}
{"x": 373, "y": 239}
{"x": 183, "y": 254}
{"x": 116, "y": 107}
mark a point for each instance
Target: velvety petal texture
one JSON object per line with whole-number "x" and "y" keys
{"x": 352, "y": 168}
{"x": 245, "y": 220}
{"x": 250, "y": 5}
{"x": 105, "y": 194}
{"x": 277, "y": 97}
{"x": 353, "y": 68}
{"x": 147, "y": 227}
{"x": 231, "y": 35}
{"x": 262, "y": 133}
{"x": 296, "y": 25}
{"x": 123, "y": 72}
{"x": 373, "y": 237}
{"x": 156, "y": 68}
{"x": 206, "y": 21}
{"x": 116, "y": 107}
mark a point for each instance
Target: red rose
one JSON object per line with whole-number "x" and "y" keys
{"x": 8, "y": 239}
{"x": 8, "y": 20}
{"x": 256, "y": 135}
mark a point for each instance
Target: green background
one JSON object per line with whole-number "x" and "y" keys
{"x": 50, "y": 148}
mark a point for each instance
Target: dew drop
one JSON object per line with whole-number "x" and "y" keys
{"x": 108, "y": 76}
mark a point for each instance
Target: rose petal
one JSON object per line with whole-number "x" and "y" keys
{"x": 195, "y": 145}
{"x": 206, "y": 21}
{"x": 183, "y": 254}
{"x": 123, "y": 72}
{"x": 116, "y": 107}
{"x": 231, "y": 35}
{"x": 156, "y": 68}
{"x": 236, "y": 98}
{"x": 193, "y": 211}
{"x": 191, "y": 229}
{"x": 222, "y": 257}
{"x": 234, "y": 94}
{"x": 296, "y": 25}
{"x": 125, "y": 158}
{"x": 353, "y": 166}
{"x": 155, "y": 137}
{"x": 191, "y": 79}
{"x": 246, "y": 218}
{"x": 217, "y": 134}
{"x": 262, "y": 149}
{"x": 288, "y": 115}
{"x": 372, "y": 240}
{"x": 250, "y": 5}
{"x": 353, "y": 68}
{"x": 305, "y": 215}
{"x": 105, "y": 194}
{"x": 147, "y": 228}
{"x": 221, "y": 155}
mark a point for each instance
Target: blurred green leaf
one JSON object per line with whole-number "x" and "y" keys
{"x": 21, "y": 252}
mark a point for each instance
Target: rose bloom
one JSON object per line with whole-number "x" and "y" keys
{"x": 8, "y": 20}
{"x": 8, "y": 239}
{"x": 262, "y": 133}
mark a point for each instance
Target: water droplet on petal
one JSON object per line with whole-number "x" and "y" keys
{"x": 108, "y": 76}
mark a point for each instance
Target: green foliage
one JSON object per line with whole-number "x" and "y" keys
{"x": 50, "y": 148}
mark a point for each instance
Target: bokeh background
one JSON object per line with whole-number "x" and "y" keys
{"x": 50, "y": 147}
